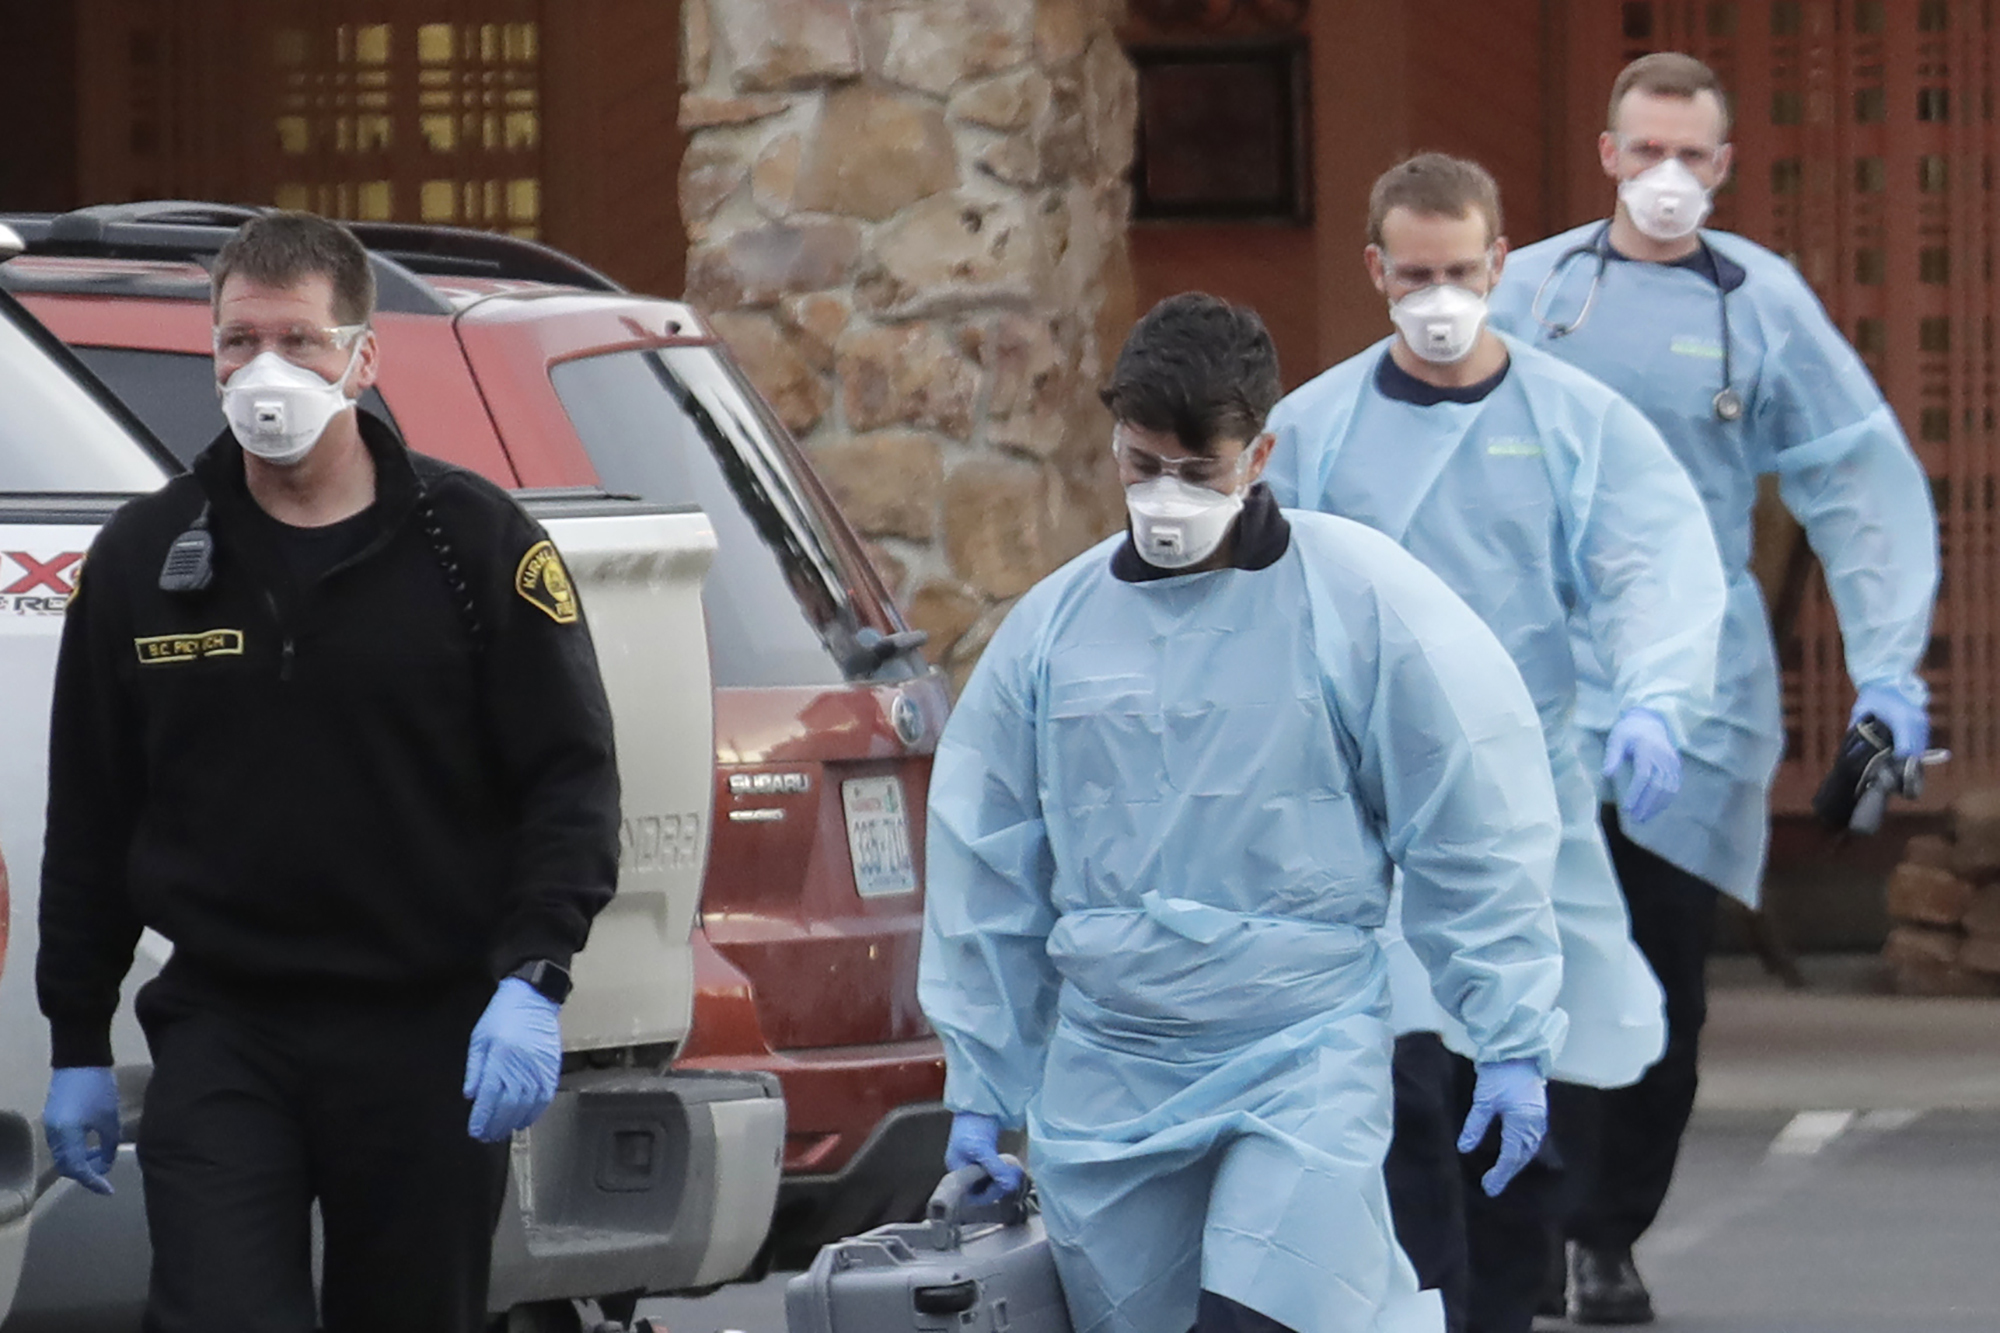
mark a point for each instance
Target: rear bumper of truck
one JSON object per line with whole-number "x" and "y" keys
{"x": 637, "y": 1181}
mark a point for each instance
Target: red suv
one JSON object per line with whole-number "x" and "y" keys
{"x": 529, "y": 367}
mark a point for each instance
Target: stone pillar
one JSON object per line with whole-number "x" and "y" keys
{"x": 907, "y": 218}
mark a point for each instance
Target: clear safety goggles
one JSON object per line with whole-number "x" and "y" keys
{"x": 1651, "y": 152}
{"x": 300, "y": 344}
{"x": 1196, "y": 470}
{"x": 1466, "y": 273}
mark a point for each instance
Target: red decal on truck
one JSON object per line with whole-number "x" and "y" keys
{"x": 41, "y": 574}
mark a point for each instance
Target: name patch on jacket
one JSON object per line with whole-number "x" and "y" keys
{"x": 543, "y": 581}
{"x": 163, "y": 649}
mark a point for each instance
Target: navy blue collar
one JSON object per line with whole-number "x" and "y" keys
{"x": 1719, "y": 269}
{"x": 1394, "y": 382}
{"x": 1261, "y": 536}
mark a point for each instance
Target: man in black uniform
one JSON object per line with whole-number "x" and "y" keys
{"x": 329, "y": 719}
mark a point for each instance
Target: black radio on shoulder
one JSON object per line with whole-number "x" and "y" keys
{"x": 190, "y": 562}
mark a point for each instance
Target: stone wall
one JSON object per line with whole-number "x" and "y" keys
{"x": 907, "y": 218}
{"x": 1944, "y": 901}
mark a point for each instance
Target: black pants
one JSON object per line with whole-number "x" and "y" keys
{"x": 261, "y": 1104}
{"x": 1424, "y": 1175}
{"x": 1488, "y": 1258}
{"x": 1673, "y": 923}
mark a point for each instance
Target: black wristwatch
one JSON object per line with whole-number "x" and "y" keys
{"x": 550, "y": 979}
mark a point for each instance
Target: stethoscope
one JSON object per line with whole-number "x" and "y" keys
{"x": 1728, "y": 403}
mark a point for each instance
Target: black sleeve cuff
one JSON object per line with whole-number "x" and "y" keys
{"x": 80, "y": 1043}
{"x": 527, "y": 944}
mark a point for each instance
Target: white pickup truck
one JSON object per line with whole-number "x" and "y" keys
{"x": 639, "y": 1179}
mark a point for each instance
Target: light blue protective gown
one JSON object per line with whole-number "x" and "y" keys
{"x": 1163, "y": 821}
{"x": 1550, "y": 498}
{"x": 1814, "y": 417}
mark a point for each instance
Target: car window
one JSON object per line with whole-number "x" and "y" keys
{"x": 774, "y": 615}
{"x": 54, "y": 435}
{"x": 174, "y": 394}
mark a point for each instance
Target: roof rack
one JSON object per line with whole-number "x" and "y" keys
{"x": 403, "y": 253}
{"x": 461, "y": 252}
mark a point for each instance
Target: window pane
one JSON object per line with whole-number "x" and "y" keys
{"x": 644, "y": 442}
{"x": 54, "y": 436}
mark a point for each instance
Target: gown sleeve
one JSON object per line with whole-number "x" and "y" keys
{"x": 1452, "y": 762}
{"x": 1848, "y": 475}
{"x": 1650, "y": 578}
{"x": 984, "y": 978}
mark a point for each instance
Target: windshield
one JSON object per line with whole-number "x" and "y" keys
{"x": 54, "y": 436}
{"x": 676, "y": 426}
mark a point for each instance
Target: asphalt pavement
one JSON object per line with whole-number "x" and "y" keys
{"x": 1842, "y": 1174}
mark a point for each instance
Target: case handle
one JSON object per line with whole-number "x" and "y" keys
{"x": 949, "y": 1209}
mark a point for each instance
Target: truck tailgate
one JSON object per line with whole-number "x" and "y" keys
{"x": 640, "y": 570}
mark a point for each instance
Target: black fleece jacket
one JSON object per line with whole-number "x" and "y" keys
{"x": 373, "y": 781}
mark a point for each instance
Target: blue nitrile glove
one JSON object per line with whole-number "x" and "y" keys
{"x": 515, "y": 1058}
{"x": 83, "y": 1101}
{"x": 1906, "y": 721}
{"x": 1640, "y": 737}
{"x": 1514, "y": 1091}
{"x": 975, "y": 1141}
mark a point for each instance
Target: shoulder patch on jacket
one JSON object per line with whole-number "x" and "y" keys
{"x": 544, "y": 583}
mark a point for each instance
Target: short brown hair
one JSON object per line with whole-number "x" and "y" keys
{"x": 281, "y": 249}
{"x": 1666, "y": 74}
{"x": 1438, "y": 185}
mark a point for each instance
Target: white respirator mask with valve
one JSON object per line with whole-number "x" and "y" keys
{"x": 1441, "y": 322}
{"x": 1176, "y": 523}
{"x": 1666, "y": 202}
{"x": 278, "y": 411}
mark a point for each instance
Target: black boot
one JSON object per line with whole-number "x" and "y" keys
{"x": 1605, "y": 1288}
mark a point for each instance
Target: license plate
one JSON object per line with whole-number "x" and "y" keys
{"x": 878, "y": 836}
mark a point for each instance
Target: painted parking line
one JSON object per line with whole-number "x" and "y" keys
{"x": 1788, "y": 1163}
{"x": 1809, "y": 1132}
{"x": 1887, "y": 1121}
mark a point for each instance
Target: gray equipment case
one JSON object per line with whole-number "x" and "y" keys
{"x": 965, "y": 1269}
